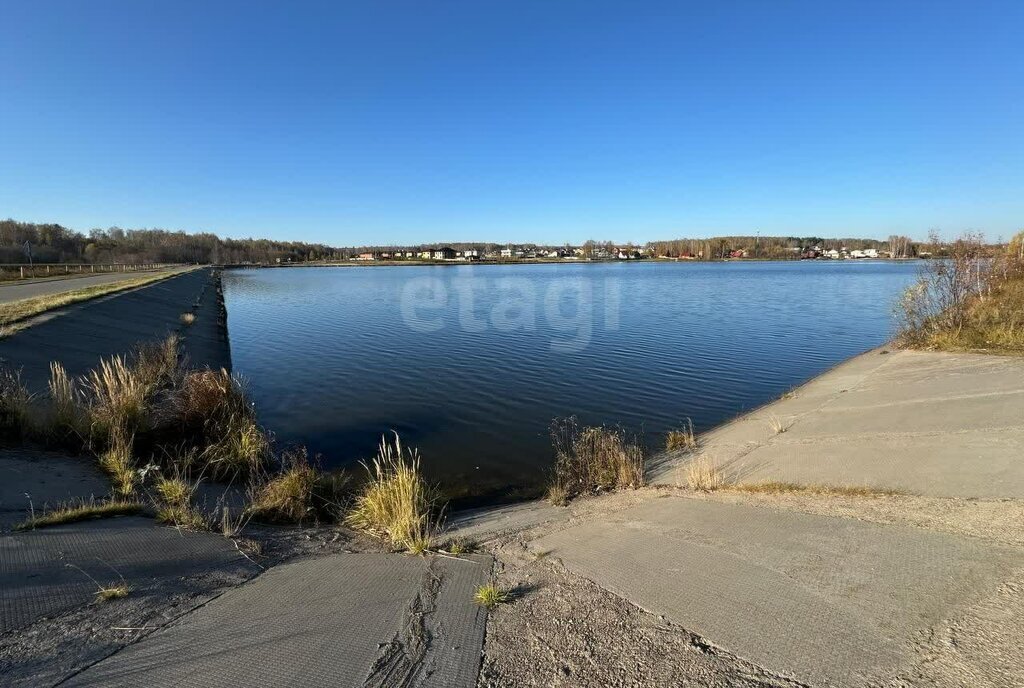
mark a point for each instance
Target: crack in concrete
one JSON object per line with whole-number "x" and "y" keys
{"x": 403, "y": 659}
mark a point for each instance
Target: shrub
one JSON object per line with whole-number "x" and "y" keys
{"x": 595, "y": 458}
{"x": 395, "y": 503}
{"x": 187, "y": 319}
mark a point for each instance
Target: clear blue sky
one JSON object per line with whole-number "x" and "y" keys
{"x": 549, "y": 121}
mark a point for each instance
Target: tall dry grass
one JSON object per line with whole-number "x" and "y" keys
{"x": 703, "y": 475}
{"x": 211, "y": 407}
{"x": 119, "y": 463}
{"x": 396, "y": 503}
{"x": 297, "y": 492}
{"x": 117, "y": 398}
{"x": 588, "y": 459}
{"x": 68, "y": 415}
{"x": 17, "y": 412}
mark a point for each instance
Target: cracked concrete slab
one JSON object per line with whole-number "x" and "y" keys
{"x": 37, "y": 578}
{"x": 339, "y": 620}
{"x": 931, "y": 423}
{"x": 827, "y": 601}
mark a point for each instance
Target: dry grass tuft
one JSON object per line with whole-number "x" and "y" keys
{"x": 458, "y": 546}
{"x": 779, "y": 487}
{"x": 187, "y": 319}
{"x": 289, "y": 495}
{"x": 241, "y": 448}
{"x": 490, "y": 596}
{"x": 117, "y": 461}
{"x": 175, "y": 491}
{"x": 594, "y": 458}
{"x": 186, "y": 517}
{"x": 105, "y": 593}
{"x": 68, "y": 412}
{"x": 212, "y": 405}
{"x": 115, "y": 591}
{"x": 17, "y": 414}
{"x": 118, "y": 397}
{"x": 777, "y": 425}
{"x": 157, "y": 365}
{"x": 682, "y": 439}
{"x": 395, "y": 503}
{"x": 557, "y": 495}
{"x": 703, "y": 475}
{"x": 81, "y": 510}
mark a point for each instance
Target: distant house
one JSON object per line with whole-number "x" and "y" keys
{"x": 443, "y": 253}
{"x": 424, "y": 254}
{"x": 871, "y": 253}
{"x": 366, "y": 256}
{"x": 471, "y": 254}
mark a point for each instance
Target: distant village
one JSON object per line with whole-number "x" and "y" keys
{"x": 738, "y": 248}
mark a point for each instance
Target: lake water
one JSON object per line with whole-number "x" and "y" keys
{"x": 471, "y": 363}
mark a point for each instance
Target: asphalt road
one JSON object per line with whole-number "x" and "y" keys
{"x": 15, "y": 291}
{"x": 86, "y": 332}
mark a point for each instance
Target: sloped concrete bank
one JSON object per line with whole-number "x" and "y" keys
{"x": 79, "y": 336}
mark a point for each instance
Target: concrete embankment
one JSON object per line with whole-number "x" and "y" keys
{"x": 79, "y": 336}
{"x": 929, "y": 423}
{"x": 809, "y": 579}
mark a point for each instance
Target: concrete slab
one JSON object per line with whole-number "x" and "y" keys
{"x": 32, "y": 479}
{"x": 475, "y": 524}
{"x": 37, "y": 581}
{"x": 938, "y": 424}
{"x": 981, "y": 463}
{"x": 341, "y": 620}
{"x": 823, "y": 600}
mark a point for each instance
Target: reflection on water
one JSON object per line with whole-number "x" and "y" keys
{"x": 471, "y": 363}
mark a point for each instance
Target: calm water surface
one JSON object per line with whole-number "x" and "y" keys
{"x": 471, "y": 363}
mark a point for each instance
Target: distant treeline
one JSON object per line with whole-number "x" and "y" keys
{"x": 51, "y": 243}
